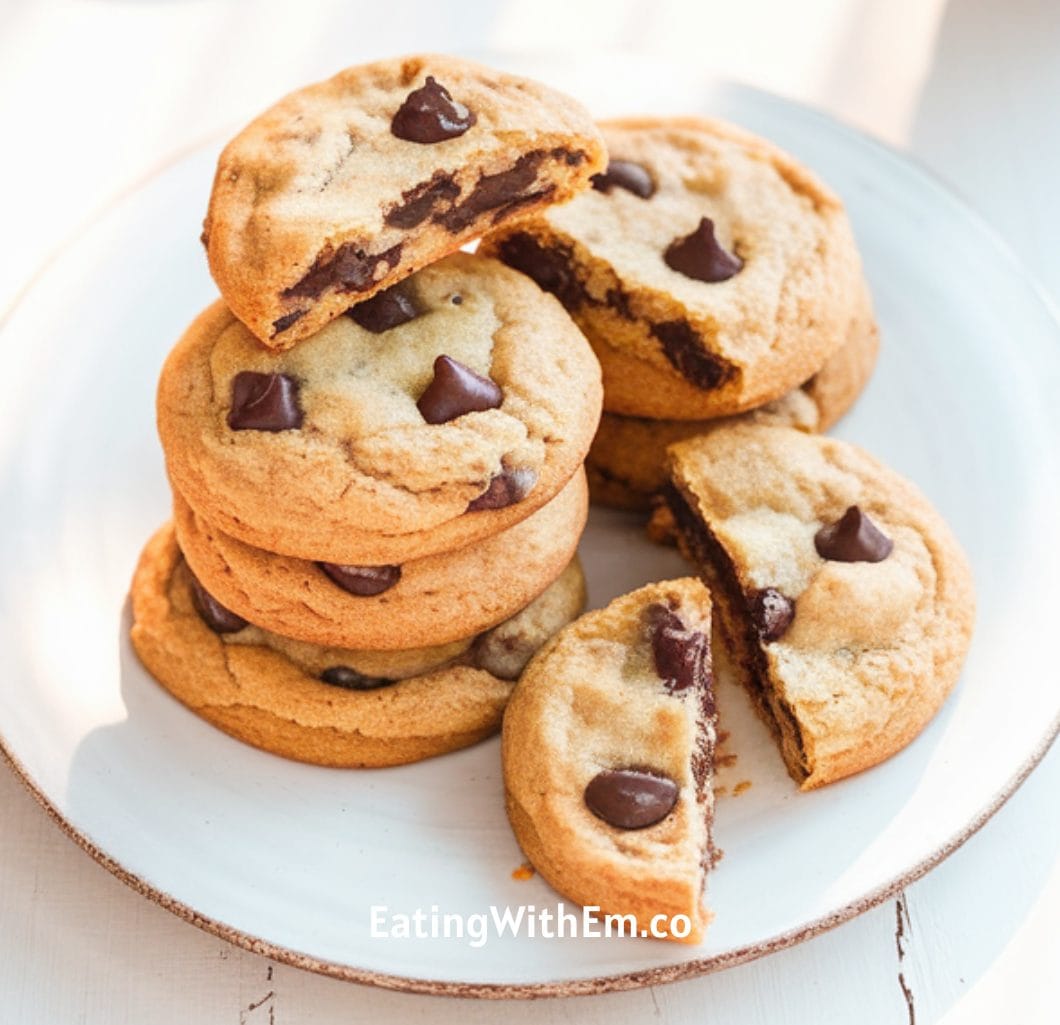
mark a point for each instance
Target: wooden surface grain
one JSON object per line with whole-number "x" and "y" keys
{"x": 93, "y": 95}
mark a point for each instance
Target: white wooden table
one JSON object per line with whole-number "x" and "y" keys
{"x": 93, "y": 95}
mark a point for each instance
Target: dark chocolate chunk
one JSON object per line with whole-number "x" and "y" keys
{"x": 853, "y": 538}
{"x": 682, "y": 656}
{"x": 772, "y": 613}
{"x": 506, "y": 488}
{"x": 363, "y": 581}
{"x": 219, "y": 619}
{"x": 630, "y": 798}
{"x": 284, "y": 322}
{"x": 348, "y": 269}
{"x": 456, "y": 390}
{"x": 684, "y": 349}
{"x": 418, "y": 203}
{"x": 550, "y": 267}
{"x": 625, "y": 174}
{"x": 384, "y": 310}
{"x": 700, "y": 256}
{"x": 430, "y": 114}
{"x": 350, "y": 679}
{"x": 492, "y": 191}
{"x": 264, "y": 402}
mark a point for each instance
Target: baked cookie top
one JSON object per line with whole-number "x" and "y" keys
{"x": 367, "y": 447}
{"x": 328, "y": 705}
{"x": 346, "y": 186}
{"x": 846, "y": 595}
{"x": 705, "y": 252}
{"x": 608, "y": 756}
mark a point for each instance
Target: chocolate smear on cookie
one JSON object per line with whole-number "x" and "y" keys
{"x": 350, "y": 679}
{"x": 264, "y": 402}
{"x": 852, "y": 538}
{"x": 549, "y": 266}
{"x": 430, "y": 114}
{"x": 772, "y": 613}
{"x": 219, "y": 619}
{"x": 681, "y": 655}
{"x": 385, "y": 310}
{"x": 625, "y": 174}
{"x": 630, "y": 798}
{"x": 700, "y": 256}
{"x": 363, "y": 581}
{"x": 505, "y": 488}
{"x": 455, "y": 390}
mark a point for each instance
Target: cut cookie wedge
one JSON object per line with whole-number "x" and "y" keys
{"x": 608, "y": 753}
{"x": 347, "y": 186}
{"x": 420, "y": 603}
{"x": 386, "y": 439}
{"x": 709, "y": 270}
{"x": 843, "y": 597}
{"x": 627, "y": 461}
{"x": 331, "y": 706}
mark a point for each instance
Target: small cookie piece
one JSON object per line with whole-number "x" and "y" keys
{"x": 341, "y": 464}
{"x": 608, "y": 753}
{"x": 347, "y": 186}
{"x": 627, "y": 461}
{"x": 331, "y": 706}
{"x": 843, "y": 596}
{"x": 727, "y": 284}
{"x": 422, "y": 602}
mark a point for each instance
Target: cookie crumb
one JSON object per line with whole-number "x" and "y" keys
{"x": 741, "y": 787}
{"x": 523, "y": 872}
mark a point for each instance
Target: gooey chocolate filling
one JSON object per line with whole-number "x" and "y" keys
{"x": 349, "y": 269}
{"x": 738, "y": 624}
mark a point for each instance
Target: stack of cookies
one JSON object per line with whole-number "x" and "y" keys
{"x": 375, "y": 441}
{"x": 715, "y": 277}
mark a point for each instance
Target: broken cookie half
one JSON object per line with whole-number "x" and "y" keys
{"x": 843, "y": 597}
{"x": 608, "y": 759}
{"x": 347, "y": 186}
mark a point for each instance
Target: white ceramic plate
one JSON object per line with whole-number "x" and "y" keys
{"x": 287, "y": 858}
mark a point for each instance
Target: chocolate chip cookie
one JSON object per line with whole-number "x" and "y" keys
{"x": 627, "y": 460}
{"x": 387, "y": 438}
{"x": 608, "y": 752}
{"x": 422, "y": 602}
{"x": 347, "y": 186}
{"x": 843, "y": 597}
{"x": 330, "y": 706}
{"x": 710, "y": 271}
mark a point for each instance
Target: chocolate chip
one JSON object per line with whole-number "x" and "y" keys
{"x": 682, "y": 656}
{"x": 550, "y": 267}
{"x": 630, "y": 798}
{"x": 350, "y": 679}
{"x": 418, "y": 203}
{"x": 625, "y": 174}
{"x": 219, "y": 619}
{"x": 700, "y": 256}
{"x": 853, "y": 538}
{"x": 384, "y": 310}
{"x": 506, "y": 488}
{"x": 348, "y": 269}
{"x": 363, "y": 581}
{"x": 684, "y": 349}
{"x": 492, "y": 191}
{"x": 264, "y": 402}
{"x": 429, "y": 114}
{"x": 457, "y": 300}
{"x": 284, "y": 322}
{"x": 456, "y": 390}
{"x": 772, "y": 613}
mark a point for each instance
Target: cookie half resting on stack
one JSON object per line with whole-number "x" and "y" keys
{"x": 608, "y": 754}
{"x": 844, "y": 599}
{"x": 374, "y": 528}
{"x": 713, "y": 275}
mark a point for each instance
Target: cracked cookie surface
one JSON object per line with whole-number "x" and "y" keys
{"x": 608, "y": 750}
{"x": 843, "y": 596}
{"x": 720, "y": 276}
{"x": 360, "y": 476}
{"x": 385, "y": 708}
{"x": 347, "y": 186}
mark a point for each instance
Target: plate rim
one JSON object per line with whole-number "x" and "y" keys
{"x": 596, "y": 984}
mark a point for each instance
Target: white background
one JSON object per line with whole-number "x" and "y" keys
{"x": 93, "y": 95}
